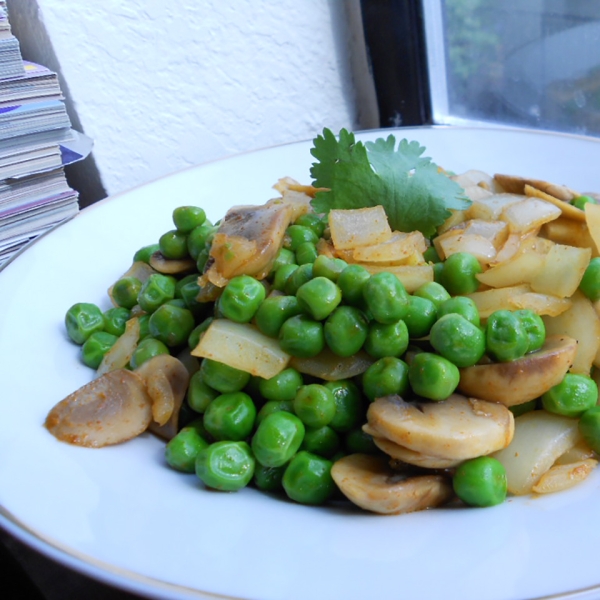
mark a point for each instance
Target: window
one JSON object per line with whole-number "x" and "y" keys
{"x": 531, "y": 63}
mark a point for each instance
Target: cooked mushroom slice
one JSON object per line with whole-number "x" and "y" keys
{"x": 166, "y": 380}
{"x": 172, "y": 266}
{"x": 516, "y": 185}
{"x": 458, "y": 428}
{"x": 369, "y": 482}
{"x": 524, "y": 379}
{"x": 247, "y": 241}
{"x": 109, "y": 410}
{"x": 418, "y": 459}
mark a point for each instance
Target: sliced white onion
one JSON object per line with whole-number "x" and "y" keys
{"x": 540, "y": 438}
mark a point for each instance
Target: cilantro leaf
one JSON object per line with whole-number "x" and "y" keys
{"x": 413, "y": 193}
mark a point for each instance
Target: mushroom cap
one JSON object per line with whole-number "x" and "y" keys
{"x": 458, "y": 428}
{"x": 369, "y": 482}
{"x": 111, "y": 409}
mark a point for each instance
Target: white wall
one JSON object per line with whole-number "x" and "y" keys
{"x": 164, "y": 85}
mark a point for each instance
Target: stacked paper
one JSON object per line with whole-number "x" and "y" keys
{"x": 11, "y": 62}
{"x": 36, "y": 142}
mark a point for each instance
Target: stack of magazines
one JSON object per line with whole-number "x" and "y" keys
{"x": 36, "y": 142}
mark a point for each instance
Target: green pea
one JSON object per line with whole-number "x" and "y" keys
{"x": 349, "y": 405}
{"x": 307, "y": 479}
{"x": 589, "y": 427}
{"x": 432, "y": 376}
{"x": 178, "y": 302}
{"x": 144, "y": 323}
{"x": 196, "y": 334}
{"x": 198, "y": 238}
{"x": 461, "y": 305}
{"x": 323, "y": 441}
{"x": 520, "y": 409}
{"x": 171, "y": 325}
{"x": 144, "y": 253}
{"x": 421, "y": 316}
{"x": 306, "y": 252}
{"x": 199, "y": 394}
{"x": 201, "y": 260}
{"x": 319, "y": 297}
{"x": 590, "y": 282}
{"x": 186, "y": 218}
{"x": 357, "y": 441}
{"x": 386, "y": 339}
{"x": 480, "y": 482}
{"x": 351, "y": 281}
{"x": 230, "y": 416}
{"x": 115, "y": 319}
{"x": 95, "y": 347}
{"x": 302, "y": 336}
{"x": 226, "y": 465}
{"x": 574, "y": 395}
{"x": 189, "y": 294}
{"x": 459, "y": 274}
{"x": 324, "y": 266}
{"x": 274, "y": 312}
{"x": 581, "y": 201}
{"x": 277, "y": 438}
{"x": 312, "y": 221}
{"x": 433, "y": 291}
{"x": 346, "y": 330}
{"x": 534, "y": 328}
{"x": 315, "y": 405}
{"x": 273, "y": 406}
{"x": 388, "y": 375}
{"x": 155, "y": 291}
{"x": 299, "y": 276}
{"x": 173, "y": 244}
{"x": 505, "y": 336}
{"x": 437, "y": 272}
{"x": 146, "y": 349}
{"x": 282, "y": 386}
{"x": 284, "y": 257}
{"x": 125, "y": 291}
{"x": 386, "y": 298}
{"x": 269, "y": 479}
{"x": 83, "y": 319}
{"x": 458, "y": 340}
{"x": 182, "y": 450}
{"x": 431, "y": 255}
{"x": 281, "y": 276}
{"x": 298, "y": 234}
{"x": 241, "y": 298}
{"x": 179, "y": 284}
{"x": 222, "y": 377}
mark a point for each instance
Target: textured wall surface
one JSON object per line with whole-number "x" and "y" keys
{"x": 160, "y": 86}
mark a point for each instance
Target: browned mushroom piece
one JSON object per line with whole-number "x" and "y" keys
{"x": 524, "y": 379}
{"x": 172, "y": 266}
{"x": 166, "y": 379}
{"x": 111, "y": 409}
{"x": 458, "y": 428}
{"x": 410, "y": 457}
{"x": 369, "y": 482}
{"x": 516, "y": 185}
{"x": 247, "y": 242}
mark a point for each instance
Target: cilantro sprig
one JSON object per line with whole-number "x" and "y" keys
{"x": 412, "y": 191}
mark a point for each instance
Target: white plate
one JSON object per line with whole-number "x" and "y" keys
{"x": 118, "y": 514}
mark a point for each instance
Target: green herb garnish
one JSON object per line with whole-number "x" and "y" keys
{"x": 412, "y": 191}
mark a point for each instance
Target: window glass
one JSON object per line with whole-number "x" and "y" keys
{"x": 534, "y": 63}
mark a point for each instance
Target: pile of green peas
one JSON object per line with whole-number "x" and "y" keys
{"x": 282, "y": 435}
